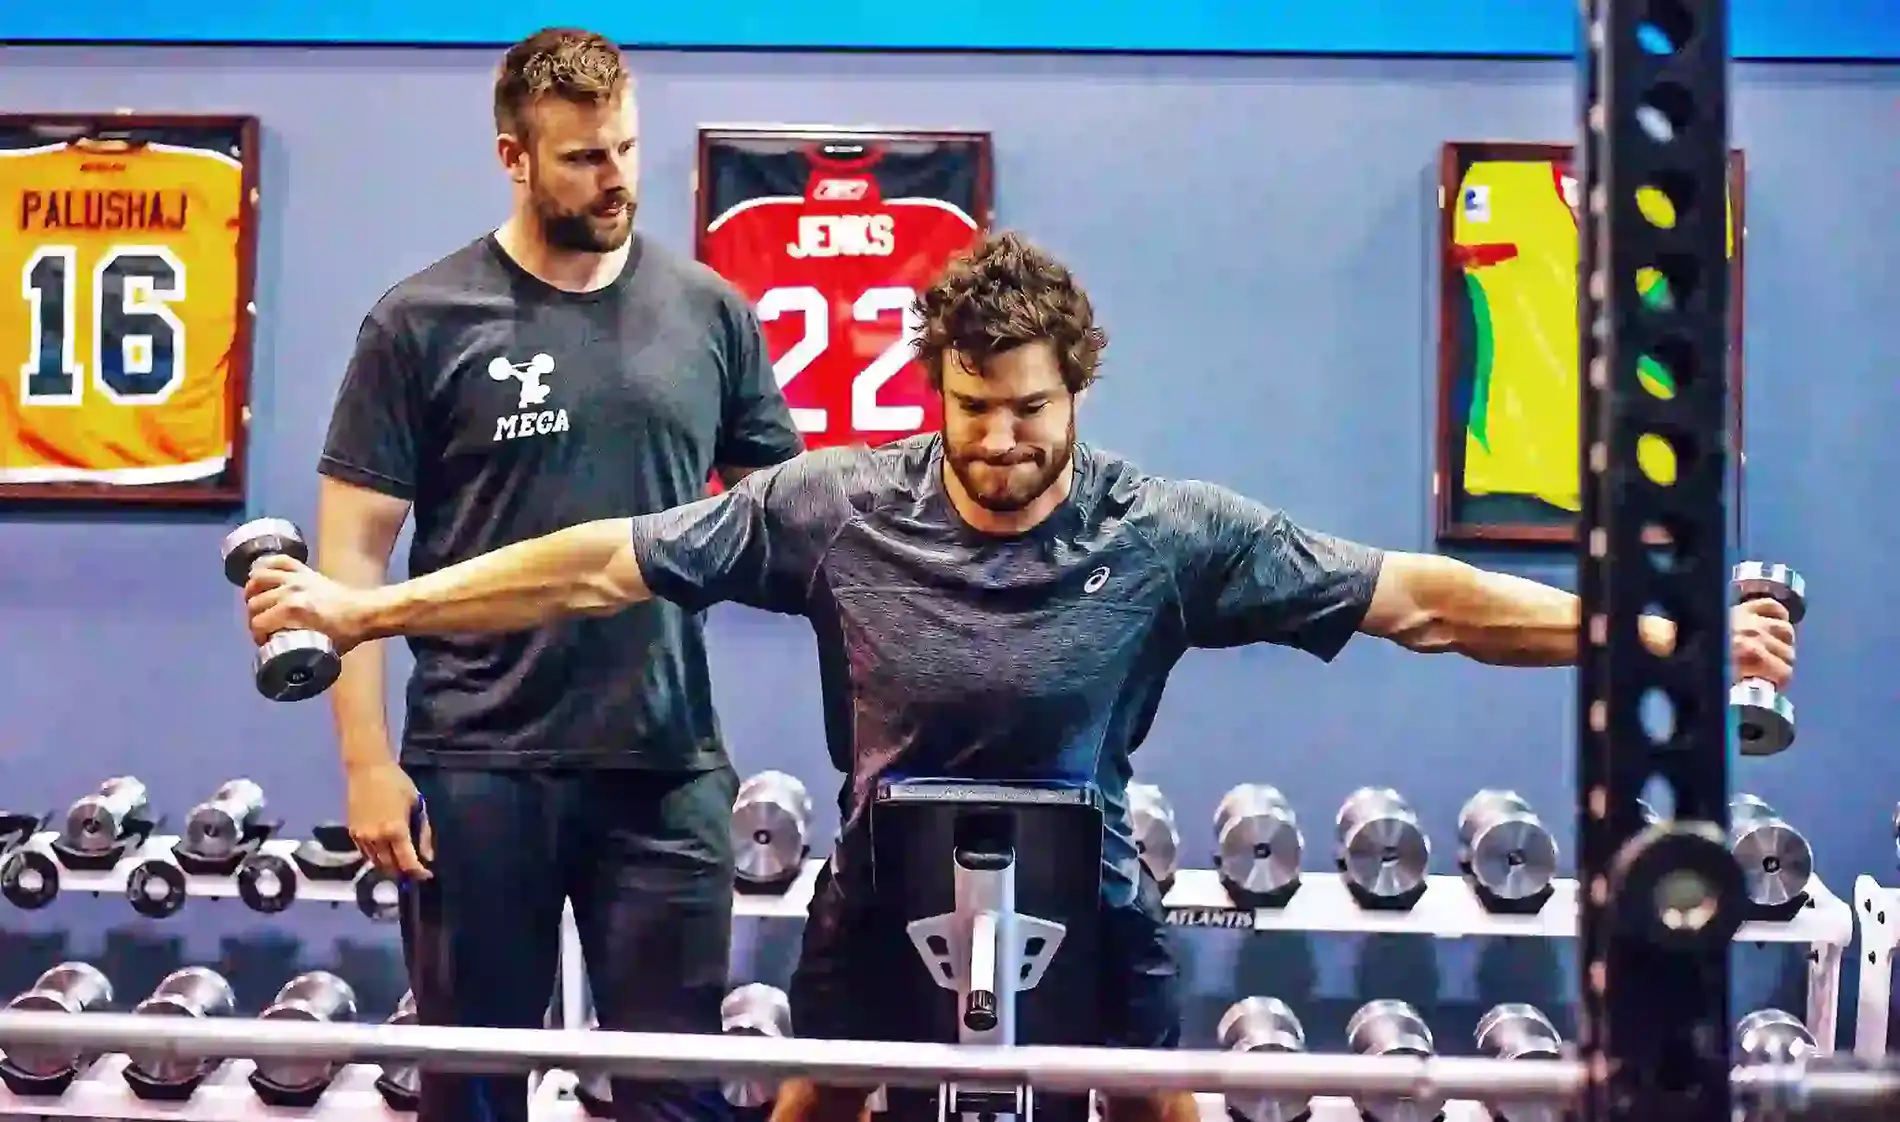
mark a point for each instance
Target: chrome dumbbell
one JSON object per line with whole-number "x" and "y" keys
{"x": 1764, "y": 719}
{"x": 290, "y": 665}
{"x": 70, "y": 987}
{"x": 771, "y": 824}
{"x": 754, "y": 1009}
{"x": 1157, "y": 836}
{"x": 398, "y": 1083}
{"x": 318, "y": 996}
{"x": 1771, "y": 1036}
{"x": 195, "y": 991}
{"x": 1392, "y": 1028}
{"x": 1257, "y": 841}
{"x": 1777, "y": 861}
{"x": 1383, "y": 850}
{"x": 1263, "y": 1024}
{"x": 1506, "y": 848}
{"x": 97, "y": 824}
{"x": 1515, "y": 1031}
{"x": 216, "y": 827}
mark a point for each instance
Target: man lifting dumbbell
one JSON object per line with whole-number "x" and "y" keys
{"x": 996, "y": 601}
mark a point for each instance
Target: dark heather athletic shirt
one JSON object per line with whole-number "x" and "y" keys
{"x": 946, "y": 653}
{"x": 505, "y": 409}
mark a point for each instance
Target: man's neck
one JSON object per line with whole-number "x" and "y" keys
{"x": 1007, "y": 523}
{"x": 568, "y": 270}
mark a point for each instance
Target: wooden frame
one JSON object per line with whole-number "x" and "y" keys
{"x": 236, "y": 137}
{"x": 1461, "y": 517}
{"x": 789, "y": 139}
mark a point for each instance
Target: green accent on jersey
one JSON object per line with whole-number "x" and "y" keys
{"x": 1482, "y": 351}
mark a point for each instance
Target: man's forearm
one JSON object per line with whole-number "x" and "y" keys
{"x": 358, "y": 701}
{"x": 1505, "y": 620}
{"x": 583, "y": 570}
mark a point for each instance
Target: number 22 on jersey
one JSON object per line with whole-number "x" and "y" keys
{"x": 843, "y": 400}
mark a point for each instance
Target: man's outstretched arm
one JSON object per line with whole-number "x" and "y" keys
{"x": 758, "y": 544}
{"x": 1437, "y": 604}
{"x": 589, "y": 569}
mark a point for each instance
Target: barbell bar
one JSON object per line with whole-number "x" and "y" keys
{"x": 873, "y": 1063}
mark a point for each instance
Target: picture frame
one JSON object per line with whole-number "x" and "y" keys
{"x": 128, "y": 318}
{"x": 830, "y": 232}
{"x": 1513, "y": 480}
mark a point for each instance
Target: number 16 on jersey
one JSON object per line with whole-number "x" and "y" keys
{"x": 831, "y": 236}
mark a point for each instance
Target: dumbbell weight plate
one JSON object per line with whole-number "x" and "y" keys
{"x": 1258, "y": 846}
{"x": 1516, "y": 1031}
{"x": 258, "y": 538}
{"x": 1756, "y": 580}
{"x": 1510, "y": 851}
{"x": 1385, "y": 850}
{"x": 770, "y": 821}
{"x": 156, "y": 888}
{"x": 1771, "y": 1036}
{"x": 267, "y": 883}
{"x": 296, "y": 665}
{"x": 29, "y": 879}
{"x": 1764, "y": 719}
{"x": 1777, "y": 861}
{"x": 378, "y": 895}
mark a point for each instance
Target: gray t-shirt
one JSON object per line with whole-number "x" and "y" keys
{"x": 947, "y": 653}
{"x": 504, "y": 409}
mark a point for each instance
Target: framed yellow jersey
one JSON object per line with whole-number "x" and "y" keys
{"x": 1509, "y": 456}
{"x": 126, "y": 307}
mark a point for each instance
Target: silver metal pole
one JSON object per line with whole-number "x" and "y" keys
{"x": 853, "y": 1063}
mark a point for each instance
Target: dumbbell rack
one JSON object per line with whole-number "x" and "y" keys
{"x": 1877, "y": 910}
{"x": 1450, "y": 909}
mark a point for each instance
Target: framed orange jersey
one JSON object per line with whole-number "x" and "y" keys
{"x": 1509, "y": 457}
{"x": 126, "y": 278}
{"x": 830, "y": 233}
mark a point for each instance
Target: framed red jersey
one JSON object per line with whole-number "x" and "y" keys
{"x": 831, "y": 233}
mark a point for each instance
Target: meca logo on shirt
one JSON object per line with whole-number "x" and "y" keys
{"x": 844, "y": 235}
{"x": 528, "y": 422}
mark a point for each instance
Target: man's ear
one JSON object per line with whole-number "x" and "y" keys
{"x": 513, "y": 154}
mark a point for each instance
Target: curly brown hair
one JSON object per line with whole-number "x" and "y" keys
{"x": 563, "y": 62}
{"x": 1005, "y": 292}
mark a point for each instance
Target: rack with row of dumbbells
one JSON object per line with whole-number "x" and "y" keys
{"x": 50, "y": 1083}
{"x": 58, "y": 1084}
{"x": 1508, "y": 1031}
{"x": 109, "y": 843}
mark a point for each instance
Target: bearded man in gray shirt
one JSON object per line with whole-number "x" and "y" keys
{"x": 995, "y": 601}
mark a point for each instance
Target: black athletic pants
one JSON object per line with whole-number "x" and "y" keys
{"x": 645, "y": 858}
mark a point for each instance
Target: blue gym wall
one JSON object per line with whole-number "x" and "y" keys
{"x": 1258, "y": 233}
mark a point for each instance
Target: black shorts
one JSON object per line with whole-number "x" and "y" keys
{"x": 839, "y": 989}
{"x": 646, "y": 860}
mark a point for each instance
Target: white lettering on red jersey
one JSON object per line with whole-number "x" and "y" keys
{"x": 832, "y": 274}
